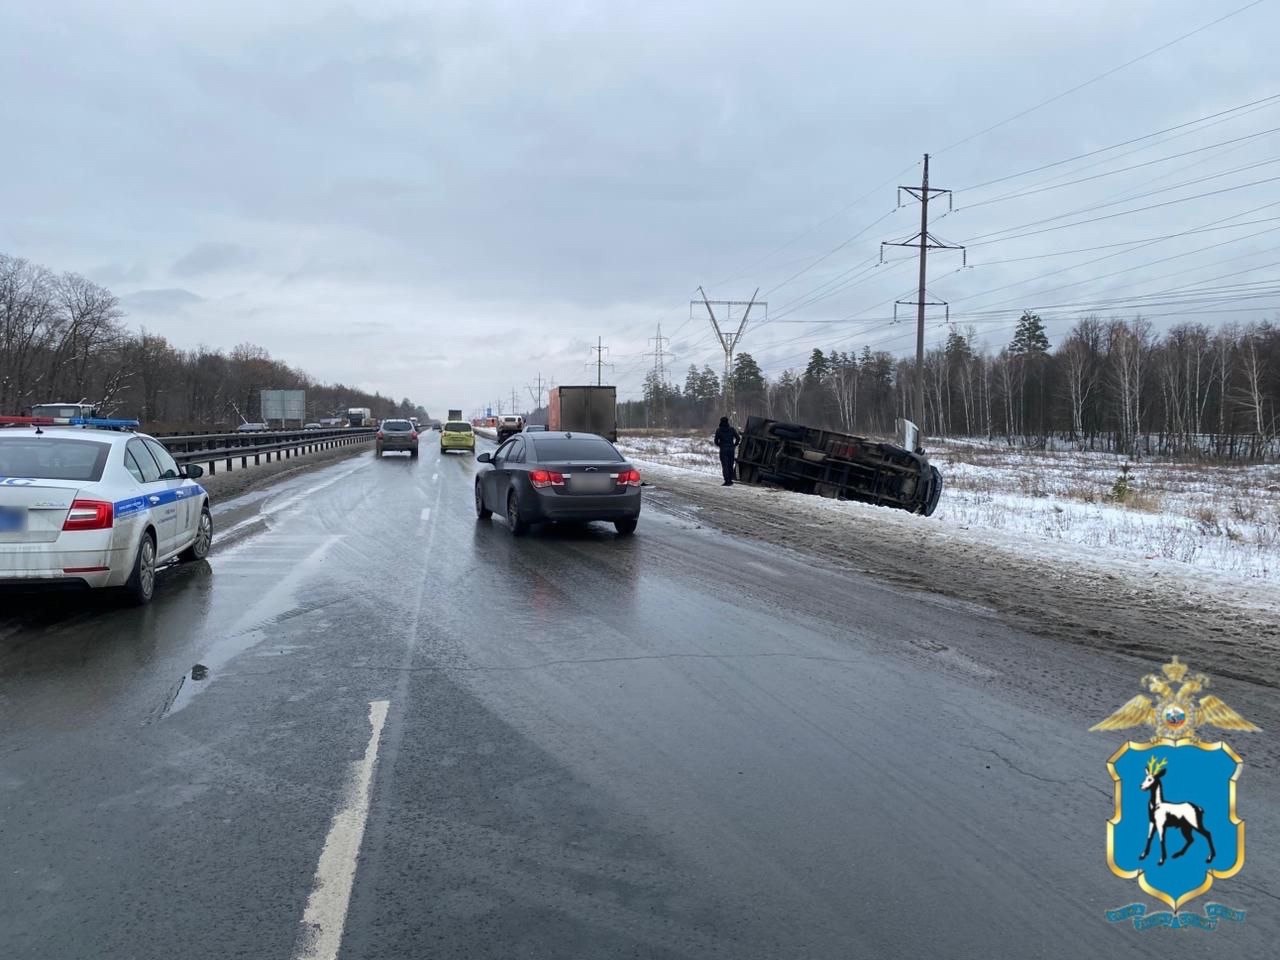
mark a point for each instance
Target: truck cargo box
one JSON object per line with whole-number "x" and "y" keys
{"x": 840, "y": 466}
{"x": 585, "y": 409}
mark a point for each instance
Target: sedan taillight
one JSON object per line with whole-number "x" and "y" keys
{"x": 413, "y": 434}
{"x": 629, "y": 478}
{"x": 546, "y": 478}
{"x": 379, "y": 434}
{"x": 90, "y": 515}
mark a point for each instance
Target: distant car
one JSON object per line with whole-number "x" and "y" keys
{"x": 252, "y": 428}
{"x": 90, "y": 507}
{"x": 437, "y": 426}
{"x": 313, "y": 426}
{"x": 396, "y": 436}
{"x": 534, "y": 428}
{"x": 556, "y": 476}
{"x": 457, "y": 435}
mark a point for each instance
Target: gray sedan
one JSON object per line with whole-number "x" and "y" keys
{"x": 550, "y": 476}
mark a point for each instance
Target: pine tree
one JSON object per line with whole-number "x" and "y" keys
{"x": 1029, "y": 340}
{"x": 748, "y": 382}
{"x": 818, "y": 369}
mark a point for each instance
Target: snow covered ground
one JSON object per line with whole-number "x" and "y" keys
{"x": 1205, "y": 524}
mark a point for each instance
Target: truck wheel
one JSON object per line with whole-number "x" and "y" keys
{"x": 482, "y": 512}
{"x": 519, "y": 526}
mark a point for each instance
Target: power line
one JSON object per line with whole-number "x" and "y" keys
{"x": 1101, "y": 76}
{"x": 1124, "y": 143}
{"x": 1111, "y": 173}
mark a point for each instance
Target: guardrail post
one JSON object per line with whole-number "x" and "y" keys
{"x": 213, "y": 467}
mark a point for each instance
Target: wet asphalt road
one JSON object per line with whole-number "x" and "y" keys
{"x": 673, "y": 745}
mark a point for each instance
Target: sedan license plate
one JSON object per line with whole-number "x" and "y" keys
{"x": 591, "y": 483}
{"x": 13, "y": 519}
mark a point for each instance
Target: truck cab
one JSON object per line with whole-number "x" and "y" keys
{"x": 509, "y": 425}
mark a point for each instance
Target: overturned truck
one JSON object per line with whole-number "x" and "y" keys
{"x": 837, "y": 465}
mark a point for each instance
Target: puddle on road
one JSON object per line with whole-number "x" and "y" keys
{"x": 196, "y": 680}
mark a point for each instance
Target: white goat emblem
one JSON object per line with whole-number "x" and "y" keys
{"x": 1162, "y": 815}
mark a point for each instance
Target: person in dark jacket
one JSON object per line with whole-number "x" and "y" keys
{"x": 727, "y": 439}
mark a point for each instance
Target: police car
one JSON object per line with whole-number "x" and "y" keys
{"x": 88, "y": 502}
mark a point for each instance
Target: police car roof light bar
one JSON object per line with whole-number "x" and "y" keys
{"x": 9, "y": 421}
{"x": 105, "y": 423}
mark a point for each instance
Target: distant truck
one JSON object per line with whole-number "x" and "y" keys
{"x": 587, "y": 409}
{"x": 65, "y": 411}
{"x": 455, "y": 414}
{"x": 359, "y": 417}
{"x": 509, "y": 425}
{"x": 839, "y": 466}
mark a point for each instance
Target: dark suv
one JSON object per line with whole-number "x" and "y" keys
{"x": 397, "y": 435}
{"x": 546, "y": 476}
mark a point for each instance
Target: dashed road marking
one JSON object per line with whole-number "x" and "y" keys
{"x": 325, "y": 916}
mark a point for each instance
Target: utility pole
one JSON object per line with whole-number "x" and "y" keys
{"x": 729, "y": 341}
{"x": 536, "y": 396}
{"x": 514, "y": 401}
{"x": 659, "y": 377}
{"x": 924, "y": 242}
{"x": 600, "y": 363}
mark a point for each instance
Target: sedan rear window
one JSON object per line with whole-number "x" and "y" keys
{"x": 52, "y": 458}
{"x": 551, "y": 449}
{"x": 457, "y": 426}
{"x": 402, "y": 426}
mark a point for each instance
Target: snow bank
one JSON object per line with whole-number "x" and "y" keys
{"x": 1207, "y": 526}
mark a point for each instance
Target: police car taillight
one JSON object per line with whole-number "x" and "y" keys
{"x": 90, "y": 515}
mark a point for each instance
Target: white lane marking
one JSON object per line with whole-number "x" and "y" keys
{"x": 422, "y": 523}
{"x": 435, "y": 476}
{"x": 326, "y": 913}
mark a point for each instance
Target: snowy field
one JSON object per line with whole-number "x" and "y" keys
{"x": 1195, "y": 521}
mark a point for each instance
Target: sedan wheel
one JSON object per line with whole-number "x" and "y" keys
{"x": 199, "y": 548}
{"x": 482, "y": 512}
{"x": 141, "y": 586}
{"x": 519, "y": 526}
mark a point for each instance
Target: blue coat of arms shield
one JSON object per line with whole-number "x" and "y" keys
{"x": 1175, "y": 827}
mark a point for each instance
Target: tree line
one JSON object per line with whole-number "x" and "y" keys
{"x": 1109, "y": 384}
{"x": 63, "y": 338}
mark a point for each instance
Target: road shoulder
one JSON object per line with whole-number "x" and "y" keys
{"x": 1093, "y": 605}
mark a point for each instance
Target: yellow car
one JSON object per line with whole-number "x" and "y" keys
{"x": 457, "y": 435}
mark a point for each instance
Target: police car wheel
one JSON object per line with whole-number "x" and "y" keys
{"x": 199, "y": 548}
{"x": 141, "y": 586}
{"x": 482, "y": 512}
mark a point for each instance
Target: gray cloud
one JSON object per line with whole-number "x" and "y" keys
{"x": 528, "y": 176}
{"x": 169, "y": 300}
{"x": 211, "y": 257}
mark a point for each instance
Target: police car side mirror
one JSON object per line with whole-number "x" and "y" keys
{"x": 193, "y": 471}
{"x": 484, "y": 458}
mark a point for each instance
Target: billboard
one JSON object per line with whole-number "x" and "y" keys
{"x": 284, "y": 405}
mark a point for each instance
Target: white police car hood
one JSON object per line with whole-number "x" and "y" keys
{"x": 34, "y": 510}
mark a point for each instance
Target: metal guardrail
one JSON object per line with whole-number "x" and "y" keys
{"x": 212, "y": 449}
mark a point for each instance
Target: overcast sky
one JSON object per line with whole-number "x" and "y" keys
{"x": 443, "y": 200}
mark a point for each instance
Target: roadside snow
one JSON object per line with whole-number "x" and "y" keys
{"x": 1201, "y": 528}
